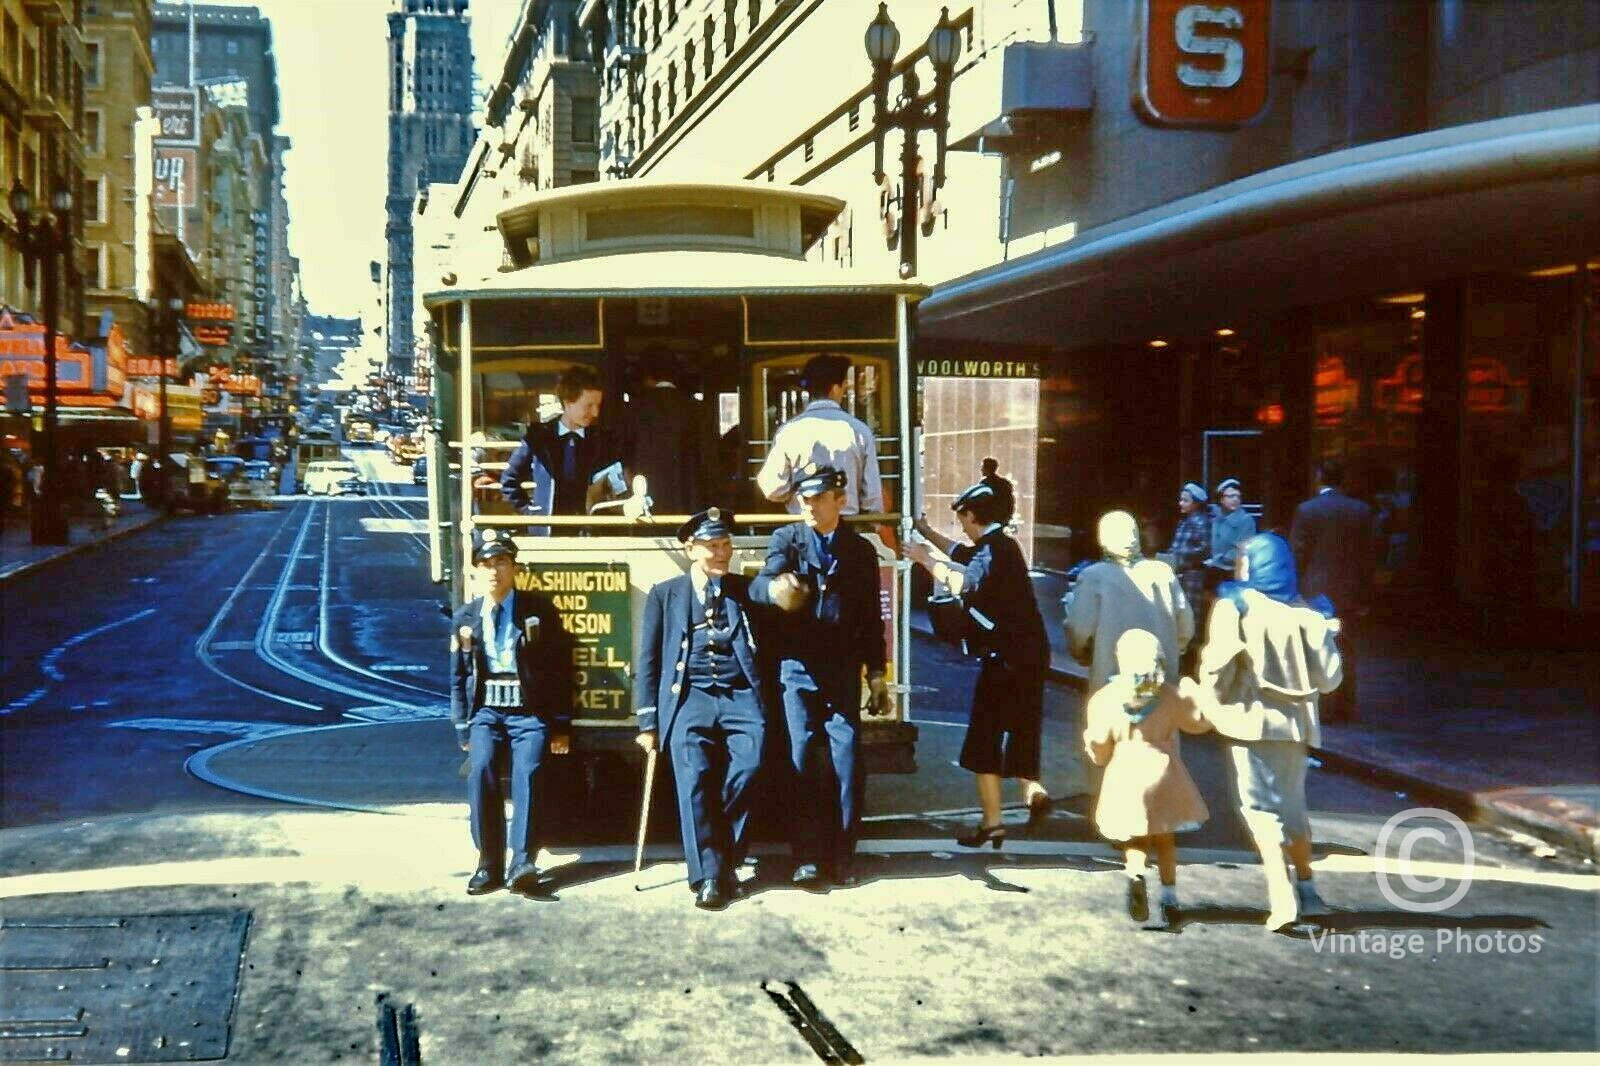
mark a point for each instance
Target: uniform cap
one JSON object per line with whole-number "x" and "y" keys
{"x": 977, "y": 492}
{"x": 709, "y": 524}
{"x": 492, "y": 542}
{"x": 823, "y": 479}
{"x": 1228, "y": 483}
{"x": 1196, "y": 490}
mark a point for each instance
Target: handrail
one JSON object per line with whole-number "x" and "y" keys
{"x": 674, "y": 520}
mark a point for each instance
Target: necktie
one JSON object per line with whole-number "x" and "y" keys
{"x": 569, "y": 457}
{"x": 494, "y": 625}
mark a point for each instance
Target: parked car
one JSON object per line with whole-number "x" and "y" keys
{"x": 193, "y": 484}
{"x": 419, "y": 471}
{"x": 334, "y": 477}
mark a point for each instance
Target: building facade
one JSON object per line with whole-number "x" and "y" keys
{"x": 430, "y": 133}
{"x": 117, "y": 80}
{"x": 1301, "y": 230}
{"x": 43, "y": 131}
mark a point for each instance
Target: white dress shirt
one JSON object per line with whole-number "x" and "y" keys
{"x": 824, "y": 434}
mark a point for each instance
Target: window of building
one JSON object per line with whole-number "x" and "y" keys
{"x": 672, "y": 89}
{"x": 12, "y": 45}
{"x": 584, "y": 177}
{"x": 30, "y": 66}
{"x": 94, "y": 199}
{"x": 755, "y": 14}
{"x": 655, "y": 109}
{"x": 688, "y": 69}
{"x": 711, "y": 44}
{"x": 730, "y": 27}
{"x": 94, "y": 266}
{"x": 585, "y": 119}
{"x": 93, "y": 134}
{"x": 672, "y": 13}
{"x": 94, "y": 73}
{"x": 655, "y": 21}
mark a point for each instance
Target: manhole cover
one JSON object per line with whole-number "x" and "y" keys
{"x": 135, "y": 988}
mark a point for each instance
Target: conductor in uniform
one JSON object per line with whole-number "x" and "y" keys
{"x": 699, "y": 696}
{"x": 825, "y": 578}
{"x": 510, "y": 691}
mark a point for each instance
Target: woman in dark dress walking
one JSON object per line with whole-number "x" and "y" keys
{"x": 1005, "y": 632}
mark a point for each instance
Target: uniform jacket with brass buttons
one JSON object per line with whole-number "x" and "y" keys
{"x": 670, "y": 613}
{"x": 840, "y": 628}
{"x": 543, "y": 654}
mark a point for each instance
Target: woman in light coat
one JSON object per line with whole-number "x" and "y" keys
{"x": 1269, "y": 656}
{"x": 1121, "y": 592}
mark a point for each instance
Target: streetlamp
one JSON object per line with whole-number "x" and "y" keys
{"x": 42, "y": 238}
{"x": 169, "y": 314}
{"x": 911, "y": 114}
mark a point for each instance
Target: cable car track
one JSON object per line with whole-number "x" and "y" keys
{"x": 266, "y": 637}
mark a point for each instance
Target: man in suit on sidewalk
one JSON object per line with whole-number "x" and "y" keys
{"x": 1334, "y": 539}
{"x": 698, "y": 695}
{"x": 510, "y": 690}
{"x": 824, "y": 575}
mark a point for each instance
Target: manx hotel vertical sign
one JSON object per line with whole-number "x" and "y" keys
{"x": 1203, "y": 64}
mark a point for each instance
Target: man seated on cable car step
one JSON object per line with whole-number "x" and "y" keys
{"x": 568, "y": 458}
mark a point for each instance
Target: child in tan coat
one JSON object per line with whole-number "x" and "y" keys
{"x": 1147, "y": 796}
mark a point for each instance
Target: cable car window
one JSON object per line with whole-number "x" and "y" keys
{"x": 529, "y": 324}
{"x": 676, "y": 220}
{"x": 792, "y": 318}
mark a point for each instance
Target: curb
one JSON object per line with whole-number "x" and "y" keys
{"x": 81, "y": 547}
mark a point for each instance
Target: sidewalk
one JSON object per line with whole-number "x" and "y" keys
{"x": 1509, "y": 738}
{"x": 19, "y": 555}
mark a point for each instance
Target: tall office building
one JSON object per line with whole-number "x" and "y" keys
{"x": 430, "y": 133}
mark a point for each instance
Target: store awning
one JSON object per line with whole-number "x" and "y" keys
{"x": 1513, "y": 193}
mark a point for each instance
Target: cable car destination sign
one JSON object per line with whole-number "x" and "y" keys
{"x": 596, "y": 605}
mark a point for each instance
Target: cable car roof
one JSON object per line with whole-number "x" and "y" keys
{"x": 676, "y": 273}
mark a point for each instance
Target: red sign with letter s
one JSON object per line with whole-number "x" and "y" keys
{"x": 1203, "y": 64}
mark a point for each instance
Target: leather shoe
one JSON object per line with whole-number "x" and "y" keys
{"x": 524, "y": 878}
{"x": 483, "y": 882}
{"x": 731, "y": 888}
{"x": 808, "y": 875}
{"x": 709, "y": 897}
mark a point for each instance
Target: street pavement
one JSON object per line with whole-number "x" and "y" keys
{"x": 157, "y": 695}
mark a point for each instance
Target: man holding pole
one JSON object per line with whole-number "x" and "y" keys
{"x": 698, "y": 696}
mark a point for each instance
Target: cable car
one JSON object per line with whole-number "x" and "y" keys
{"x": 729, "y": 277}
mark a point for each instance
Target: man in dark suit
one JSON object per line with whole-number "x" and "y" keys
{"x": 570, "y": 451}
{"x": 510, "y": 689}
{"x": 698, "y": 695}
{"x": 825, "y": 577}
{"x": 1005, "y": 493}
{"x": 1334, "y": 539}
{"x": 669, "y": 437}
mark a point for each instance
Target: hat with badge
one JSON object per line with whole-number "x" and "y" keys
{"x": 822, "y": 479}
{"x": 493, "y": 542}
{"x": 710, "y": 524}
{"x": 977, "y": 492}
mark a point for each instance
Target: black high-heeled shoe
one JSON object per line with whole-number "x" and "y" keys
{"x": 1038, "y": 808}
{"x": 993, "y": 835}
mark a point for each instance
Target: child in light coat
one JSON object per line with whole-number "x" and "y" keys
{"x": 1146, "y": 796}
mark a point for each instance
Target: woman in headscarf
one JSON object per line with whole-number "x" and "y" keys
{"x": 1124, "y": 591}
{"x": 1005, "y": 632}
{"x": 1270, "y": 655}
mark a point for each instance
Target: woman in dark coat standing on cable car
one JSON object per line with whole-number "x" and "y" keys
{"x": 1005, "y": 632}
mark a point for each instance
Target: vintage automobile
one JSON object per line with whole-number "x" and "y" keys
{"x": 334, "y": 477}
